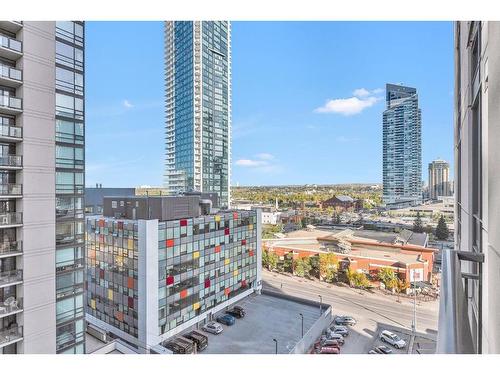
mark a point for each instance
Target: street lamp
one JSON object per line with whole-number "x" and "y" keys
{"x": 320, "y": 304}
{"x": 302, "y": 316}
{"x": 276, "y": 341}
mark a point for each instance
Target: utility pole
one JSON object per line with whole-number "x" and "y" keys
{"x": 414, "y": 325}
{"x": 302, "y": 316}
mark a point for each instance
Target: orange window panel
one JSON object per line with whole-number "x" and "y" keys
{"x": 184, "y": 293}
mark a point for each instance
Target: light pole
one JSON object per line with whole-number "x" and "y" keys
{"x": 276, "y": 341}
{"x": 302, "y": 316}
{"x": 414, "y": 324}
{"x": 320, "y": 304}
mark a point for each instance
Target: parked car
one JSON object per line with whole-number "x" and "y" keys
{"x": 393, "y": 339}
{"x": 199, "y": 339}
{"x": 345, "y": 320}
{"x": 236, "y": 311}
{"x": 341, "y": 330}
{"x": 382, "y": 349}
{"x": 212, "y": 327}
{"x": 334, "y": 336}
{"x": 372, "y": 352}
{"x": 327, "y": 350}
{"x": 226, "y": 319}
{"x": 331, "y": 342}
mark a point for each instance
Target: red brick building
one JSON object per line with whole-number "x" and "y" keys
{"x": 342, "y": 203}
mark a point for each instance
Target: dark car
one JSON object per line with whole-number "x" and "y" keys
{"x": 199, "y": 339}
{"x": 226, "y": 319}
{"x": 382, "y": 349}
{"x": 237, "y": 312}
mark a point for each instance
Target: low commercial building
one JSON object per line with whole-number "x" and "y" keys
{"x": 94, "y": 197}
{"x": 360, "y": 252}
{"x": 343, "y": 203}
{"x": 156, "y": 266}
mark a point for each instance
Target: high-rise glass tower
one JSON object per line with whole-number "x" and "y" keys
{"x": 41, "y": 187}
{"x": 439, "y": 179}
{"x": 402, "y": 147}
{"x": 198, "y": 107}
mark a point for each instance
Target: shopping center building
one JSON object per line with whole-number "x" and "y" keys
{"x": 156, "y": 266}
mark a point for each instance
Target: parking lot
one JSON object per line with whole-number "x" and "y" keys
{"x": 267, "y": 318}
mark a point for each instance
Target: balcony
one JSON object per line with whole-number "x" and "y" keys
{"x": 11, "y": 190}
{"x": 10, "y": 105}
{"x": 13, "y": 277}
{"x": 10, "y": 76}
{"x": 11, "y": 219}
{"x": 11, "y": 26}
{"x": 10, "y": 335}
{"x": 10, "y": 48}
{"x": 11, "y": 306}
{"x": 10, "y": 248}
{"x": 11, "y": 161}
{"x": 11, "y": 133}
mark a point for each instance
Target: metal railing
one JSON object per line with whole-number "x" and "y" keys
{"x": 11, "y": 102}
{"x": 10, "y": 247}
{"x": 11, "y": 73}
{"x": 13, "y": 276}
{"x": 11, "y": 131}
{"x": 11, "y": 161}
{"x": 11, "y": 218}
{"x": 454, "y": 329}
{"x": 11, "y": 189}
{"x": 11, "y": 43}
{"x": 10, "y": 334}
{"x": 11, "y": 306}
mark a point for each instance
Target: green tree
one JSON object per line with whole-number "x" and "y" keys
{"x": 273, "y": 261}
{"x": 300, "y": 269}
{"x": 417, "y": 224}
{"x": 359, "y": 280}
{"x": 265, "y": 259}
{"x": 288, "y": 263}
{"x": 388, "y": 277}
{"x": 331, "y": 275}
{"x": 314, "y": 263}
{"x": 442, "y": 232}
{"x": 327, "y": 261}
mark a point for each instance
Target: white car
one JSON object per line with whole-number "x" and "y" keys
{"x": 342, "y": 330}
{"x": 334, "y": 336}
{"x": 213, "y": 327}
{"x": 393, "y": 339}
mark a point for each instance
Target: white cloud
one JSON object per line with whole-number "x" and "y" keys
{"x": 127, "y": 104}
{"x": 263, "y": 162}
{"x": 377, "y": 91}
{"x": 265, "y": 156}
{"x": 250, "y": 163}
{"x": 347, "y": 106}
{"x": 361, "y": 93}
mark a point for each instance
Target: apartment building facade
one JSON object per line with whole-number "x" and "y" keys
{"x": 439, "y": 179}
{"x": 198, "y": 107}
{"x": 42, "y": 170}
{"x": 402, "y": 147}
{"x": 173, "y": 267}
{"x": 469, "y": 321}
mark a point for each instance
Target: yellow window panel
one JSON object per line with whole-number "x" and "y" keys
{"x": 110, "y": 294}
{"x": 226, "y": 262}
{"x": 196, "y": 306}
{"x": 250, "y": 226}
{"x": 235, "y": 273}
{"x": 92, "y": 304}
{"x": 217, "y": 218}
{"x": 196, "y": 255}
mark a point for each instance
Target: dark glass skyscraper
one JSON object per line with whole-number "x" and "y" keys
{"x": 402, "y": 147}
{"x": 198, "y": 107}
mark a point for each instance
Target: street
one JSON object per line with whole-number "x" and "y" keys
{"x": 373, "y": 311}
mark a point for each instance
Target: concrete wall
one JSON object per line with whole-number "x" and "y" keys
{"x": 38, "y": 179}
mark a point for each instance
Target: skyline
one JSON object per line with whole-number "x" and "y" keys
{"x": 321, "y": 107}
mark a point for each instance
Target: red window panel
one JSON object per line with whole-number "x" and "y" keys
{"x": 217, "y": 249}
{"x": 207, "y": 283}
{"x": 170, "y": 242}
{"x": 235, "y": 215}
{"x": 227, "y": 291}
{"x": 131, "y": 302}
{"x": 130, "y": 283}
{"x": 243, "y": 242}
{"x": 226, "y": 231}
{"x": 170, "y": 280}
{"x": 251, "y": 253}
{"x": 184, "y": 222}
{"x": 184, "y": 293}
{"x": 243, "y": 283}
{"x": 101, "y": 274}
{"x": 101, "y": 223}
{"x": 120, "y": 225}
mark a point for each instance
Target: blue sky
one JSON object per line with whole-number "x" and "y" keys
{"x": 307, "y": 99}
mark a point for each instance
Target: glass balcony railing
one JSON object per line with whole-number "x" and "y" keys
{"x": 11, "y": 161}
{"x": 11, "y": 43}
{"x": 10, "y": 334}
{"x": 11, "y": 102}
{"x": 7, "y": 247}
{"x": 11, "y": 305}
{"x": 9, "y": 277}
{"x": 11, "y": 189}
{"x": 11, "y": 131}
{"x": 11, "y": 73}
{"x": 11, "y": 218}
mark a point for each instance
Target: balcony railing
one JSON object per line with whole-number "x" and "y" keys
{"x": 11, "y": 131}
{"x": 9, "y": 277}
{"x": 10, "y": 306}
{"x": 8, "y": 247}
{"x": 11, "y": 161}
{"x": 11, "y": 43}
{"x": 11, "y": 73}
{"x": 11, "y": 218}
{"x": 11, "y": 102}
{"x": 454, "y": 329}
{"x": 11, "y": 189}
{"x": 10, "y": 334}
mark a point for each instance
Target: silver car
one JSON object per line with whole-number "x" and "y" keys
{"x": 213, "y": 327}
{"x": 393, "y": 339}
{"x": 341, "y": 330}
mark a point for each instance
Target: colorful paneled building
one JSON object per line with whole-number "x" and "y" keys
{"x": 149, "y": 279}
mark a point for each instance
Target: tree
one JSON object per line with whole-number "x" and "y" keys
{"x": 265, "y": 259}
{"x": 388, "y": 277}
{"x": 331, "y": 275}
{"x": 442, "y": 232}
{"x": 300, "y": 267}
{"x": 327, "y": 261}
{"x": 402, "y": 285}
{"x": 417, "y": 224}
{"x": 314, "y": 263}
{"x": 288, "y": 263}
{"x": 272, "y": 261}
{"x": 360, "y": 280}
